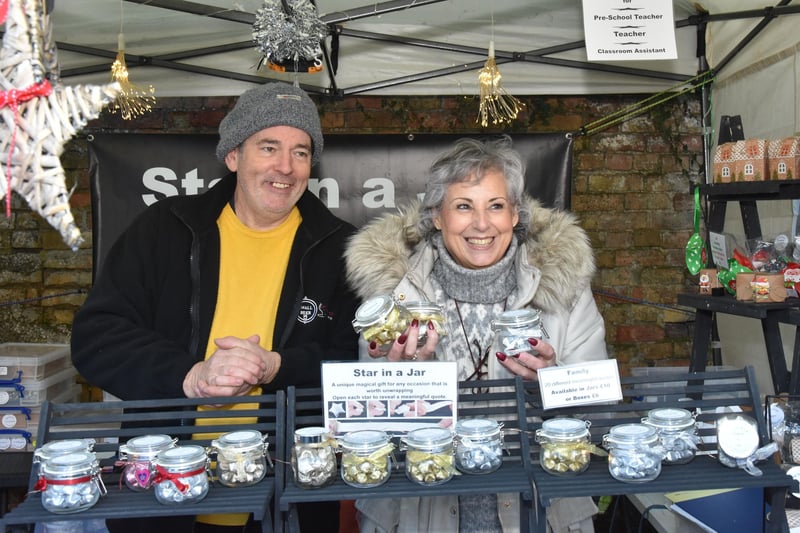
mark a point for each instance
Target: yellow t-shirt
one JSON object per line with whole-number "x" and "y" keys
{"x": 252, "y": 268}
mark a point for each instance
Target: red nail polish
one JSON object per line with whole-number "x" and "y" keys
{"x": 533, "y": 342}
{"x": 415, "y": 323}
{"x": 431, "y": 326}
{"x": 373, "y": 345}
{"x": 500, "y": 356}
{"x": 515, "y": 355}
{"x": 402, "y": 339}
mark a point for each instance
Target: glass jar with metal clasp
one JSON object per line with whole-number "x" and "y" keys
{"x": 566, "y": 448}
{"x": 70, "y": 483}
{"x": 429, "y": 455}
{"x": 366, "y": 458}
{"x": 182, "y": 475}
{"x": 677, "y": 431}
{"x": 381, "y": 320}
{"x": 512, "y": 329}
{"x": 479, "y": 444}
{"x": 137, "y": 455}
{"x": 313, "y": 457}
{"x": 242, "y": 457}
{"x": 634, "y": 453}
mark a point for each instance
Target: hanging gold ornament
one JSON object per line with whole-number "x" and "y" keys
{"x": 496, "y": 103}
{"x": 133, "y": 100}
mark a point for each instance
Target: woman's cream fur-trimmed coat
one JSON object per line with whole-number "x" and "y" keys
{"x": 555, "y": 266}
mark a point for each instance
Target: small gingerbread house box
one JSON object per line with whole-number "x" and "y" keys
{"x": 784, "y": 158}
{"x": 724, "y": 162}
{"x": 741, "y": 161}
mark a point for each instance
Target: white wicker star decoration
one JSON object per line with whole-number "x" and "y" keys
{"x": 38, "y": 116}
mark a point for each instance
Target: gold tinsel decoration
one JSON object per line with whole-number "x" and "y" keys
{"x": 133, "y": 101}
{"x": 496, "y": 103}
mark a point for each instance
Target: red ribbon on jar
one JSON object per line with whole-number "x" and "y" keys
{"x": 164, "y": 475}
{"x": 42, "y": 483}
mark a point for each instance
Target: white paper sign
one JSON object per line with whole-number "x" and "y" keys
{"x": 632, "y": 30}
{"x": 580, "y": 384}
{"x": 719, "y": 249}
{"x": 393, "y": 397}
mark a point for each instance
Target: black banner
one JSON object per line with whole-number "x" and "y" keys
{"x": 359, "y": 177}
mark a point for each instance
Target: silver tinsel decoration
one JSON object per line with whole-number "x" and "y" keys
{"x": 293, "y": 34}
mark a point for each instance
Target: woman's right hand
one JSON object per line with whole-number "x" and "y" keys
{"x": 405, "y": 347}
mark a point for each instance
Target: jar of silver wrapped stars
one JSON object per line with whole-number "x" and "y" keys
{"x": 242, "y": 458}
{"x": 478, "y": 445}
{"x": 313, "y": 457}
{"x": 512, "y": 329}
{"x": 634, "y": 453}
{"x": 137, "y": 455}
{"x": 566, "y": 448}
{"x": 677, "y": 431}
{"x": 181, "y": 475}
{"x": 366, "y": 458}
{"x": 429, "y": 455}
{"x": 70, "y": 482}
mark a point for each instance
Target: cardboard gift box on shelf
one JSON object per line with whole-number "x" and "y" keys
{"x": 760, "y": 287}
{"x": 741, "y": 161}
{"x": 784, "y": 158}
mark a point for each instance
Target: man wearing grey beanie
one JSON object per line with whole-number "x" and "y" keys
{"x": 230, "y": 293}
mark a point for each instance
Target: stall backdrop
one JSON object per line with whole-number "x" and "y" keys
{"x": 359, "y": 177}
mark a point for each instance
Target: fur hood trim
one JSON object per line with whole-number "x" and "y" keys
{"x": 378, "y": 256}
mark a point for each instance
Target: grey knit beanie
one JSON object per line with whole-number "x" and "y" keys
{"x": 271, "y": 104}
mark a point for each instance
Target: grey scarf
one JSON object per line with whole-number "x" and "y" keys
{"x": 484, "y": 286}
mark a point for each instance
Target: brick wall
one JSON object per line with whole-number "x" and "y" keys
{"x": 631, "y": 193}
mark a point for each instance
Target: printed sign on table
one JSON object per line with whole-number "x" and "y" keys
{"x": 580, "y": 384}
{"x": 629, "y": 30}
{"x": 393, "y": 397}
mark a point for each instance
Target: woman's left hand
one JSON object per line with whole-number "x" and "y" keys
{"x": 526, "y": 364}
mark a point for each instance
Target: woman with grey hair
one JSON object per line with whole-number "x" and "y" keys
{"x": 478, "y": 246}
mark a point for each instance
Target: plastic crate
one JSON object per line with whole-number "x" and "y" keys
{"x": 16, "y": 440}
{"x": 38, "y": 391}
{"x": 16, "y": 417}
{"x": 35, "y": 361}
{"x": 17, "y": 421}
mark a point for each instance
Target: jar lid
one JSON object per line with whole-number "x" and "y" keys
{"x": 241, "y": 440}
{"x": 149, "y": 443}
{"x": 365, "y": 440}
{"x": 311, "y": 435}
{"x": 181, "y": 456}
{"x": 517, "y": 317}
{"x": 431, "y": 436}
{"x": 70, "y": 463}
{"x": 632, "y": 434}
{"x": 63, "y": 447}
{"x": 477, "y": 427}
{"x": 564, "y": 428}
{"x": 373, "y": 310}
{"x": 737, "y": 436}
{"x": 670, "y": 417}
